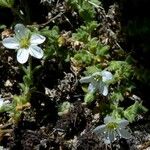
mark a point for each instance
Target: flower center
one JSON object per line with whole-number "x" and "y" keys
{"x": 97, "y": 78}
{"x": 24, "y": 42}
{"x": 112, "y": 126}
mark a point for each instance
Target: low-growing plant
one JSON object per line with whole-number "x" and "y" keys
{"x": 107, "y": 78}
{"x": 26, "y": 44}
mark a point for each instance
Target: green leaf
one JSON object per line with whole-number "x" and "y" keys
{"x": 91, "y": 69}
{"x": 51, "y": 44}
{"x": 22, "y": 86}
{"x": 89, "y": 97}
{"x": 122, "y": 69}
{"x": 36, "y": 68}
{"x": 134, "y": 110}
{"x": 81, "y": 35}
{"x": 84, "y": 32}
{"x": 27, "y": 80}
{"x": 51, "y": 34}
{"x": 87, "y": 12}
{"x": 102, "y": 51}
{"x": 7, "y": 3}
{"x": 64, "y": 108}
{"x": 86, "y": 9}
{"x": 116, "y": 96}
{"x": 96, "y": 2}
{"x": 83, "y": 58}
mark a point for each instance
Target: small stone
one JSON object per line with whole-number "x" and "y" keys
{"x": 8, "y": 83}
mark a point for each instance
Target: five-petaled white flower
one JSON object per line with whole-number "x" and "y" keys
{"x": 113, "y": 129}
{"x": 98, "y": 81}
{"x": 25, "y": 43}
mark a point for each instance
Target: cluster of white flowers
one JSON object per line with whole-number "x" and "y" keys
{"x": 25, "y": 43}
{"x": 98, "y": 82}
{"x": 113, "y": 129}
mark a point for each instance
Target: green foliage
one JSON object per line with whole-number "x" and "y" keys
{"x": 89, "y": 97}
{"x": 93, "y": 50}
{"x": 91, "y": 69}
{"x": 116, "y": 96}
{"x": 86, "y": 11}
{"x": 83, "y": 58}
{"x": 85, "y": 8}
{"x": 64, "y": 108}
{"x": 102, "y": 50}
{"x": 27, "y": 79}
{"x": 84, "y": 33}
{"x": 122, "y": 69}
{"x": 90, "y": 55}
{"x": 23, "y": 100}
{"x": 96, "y": 48}
{"x": 7, "y": 3}
{"x": 134, "y": 110}
{"x": 54, "y": 44}
{"x": 18, "y": 105}
{"x": 51, "y": 47}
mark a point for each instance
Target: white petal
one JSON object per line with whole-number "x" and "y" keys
{"x": 85, "y": 79}
{"x": 21, "y": 31}
{"x": 112, "y": 136}
{"x": 1, "y": 102}
{"x": 99, "y": 130}
{"x": 108, "y": 119}
{"x": 22, "y": 55}
{"x": 37, "y": 39}
{"x": 91, "y": 88}
{"x": 107, "y": 141}
{"x": 125, "y": 133}
{"x": 123, "y": 123}
{"x": 106, "y": 75}
{"x": 6, "y": 102}
{"x": 36, "y": 51}
{"x": 10, "y": 43}
{"x": 103, "y": 89}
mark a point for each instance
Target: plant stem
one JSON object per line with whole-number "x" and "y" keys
{"x": 16, "y": 13}
{"x": 30, "y": 71}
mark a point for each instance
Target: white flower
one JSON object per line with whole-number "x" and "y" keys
{"x": 24, "y": 43}
{"x": 98, "y": 81}
{"x": 112, "y": 129}
{"x": 2, "y": 102}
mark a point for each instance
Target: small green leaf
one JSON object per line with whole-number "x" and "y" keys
{"x": 91, "y": 69}
{"x": 116, "y": 96}
{"x": 102, "y": 51}
{"x": 89, "y": 97}
{"x": 83, "y": 57}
